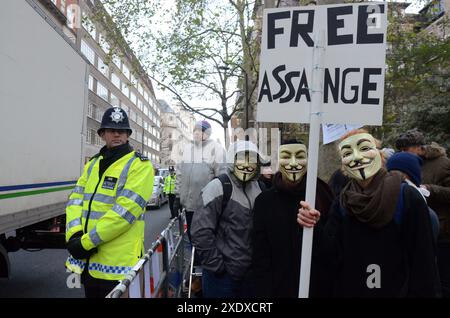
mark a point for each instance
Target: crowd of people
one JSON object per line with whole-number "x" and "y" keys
{"x": 381, "y": 223}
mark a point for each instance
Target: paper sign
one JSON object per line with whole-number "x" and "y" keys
{"x": 332, "y": 132}
{"x": 353, "y": 67}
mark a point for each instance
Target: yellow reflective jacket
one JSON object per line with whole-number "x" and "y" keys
{"x": 110, "y": 212}
{"x": 169, "y": 184}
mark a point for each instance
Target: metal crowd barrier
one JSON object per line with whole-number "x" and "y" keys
{"x": 161, "y": 272}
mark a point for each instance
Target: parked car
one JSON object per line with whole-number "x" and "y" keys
{"x": 163, "y": 172}
{"x": 158, "y": 197}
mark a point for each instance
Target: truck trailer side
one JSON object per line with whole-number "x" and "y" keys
{"x": 43, "y": 98}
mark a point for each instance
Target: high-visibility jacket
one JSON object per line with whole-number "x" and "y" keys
{"x": 110, "y": 212}
{"x": 169, "y": 184}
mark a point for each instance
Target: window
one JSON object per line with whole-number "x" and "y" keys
{"x": 125, "y": 71}
{"x": 104, "y": 44}
{"x": 91, "y": 110}
{"x": 102, "y": 67}
{"x": 132, "y": 115}
{"x": 141, "y": 89}
{"x": 115, "y": 80}
{"x": 102, "y": 91}
{"x": 89, "y": 136}
{"x": 125, "y": 89}
{"x": 139, "y": 120}
{"x": 126, "y": 108}
{"x": 114, "y": 100}
{"x": 133, "y": 98}
{"x": 140, "y": 105}
{"x": 98, "y": 114}
{"x": 98, "y": 140}
{"x": 146, "y": 110}
{"x": 146, "y": 96}
{"x": 88, "y": 52}
{"x": 133, "y": 80}
{"x": 116, "y": 61}
{"x": 89, "y": 26}
{"x": 91, "y": 83}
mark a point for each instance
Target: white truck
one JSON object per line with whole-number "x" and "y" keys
{"x": 43, "y": 98}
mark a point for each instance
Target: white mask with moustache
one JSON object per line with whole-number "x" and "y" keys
{"x": 359, "y": 156}
{"x": 293, "y": 162}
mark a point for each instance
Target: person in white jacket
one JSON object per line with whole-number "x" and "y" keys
{"x": 198, "y": 162}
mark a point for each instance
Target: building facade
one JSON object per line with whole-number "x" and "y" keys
{"x": 116, "y": 77}
{"x": 177, "y": 126}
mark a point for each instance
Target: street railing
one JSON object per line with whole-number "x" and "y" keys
{"x": 160, "y": 273}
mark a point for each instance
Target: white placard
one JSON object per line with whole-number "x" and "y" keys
{"x": 353, "y": 70}
{"x": 332, "y": 132}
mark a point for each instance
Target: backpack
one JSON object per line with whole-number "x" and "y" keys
{"x": 227, "y": 188}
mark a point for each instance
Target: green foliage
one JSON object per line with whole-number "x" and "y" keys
{"x": 417, "y": 90}
{"x": 196, "y": 49}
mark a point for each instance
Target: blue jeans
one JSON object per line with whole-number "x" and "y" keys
{"x": 222, "y": 286}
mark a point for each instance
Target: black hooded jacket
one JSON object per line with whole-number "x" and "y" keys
{"x": 277, "y": 239}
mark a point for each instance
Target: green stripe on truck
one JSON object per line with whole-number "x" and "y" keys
{"x": 26, "y": 193}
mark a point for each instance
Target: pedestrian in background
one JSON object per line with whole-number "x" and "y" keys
{"x": 198, "y": 163}
{"x": 169, "y": 190}
{"x": 436, "y": 180}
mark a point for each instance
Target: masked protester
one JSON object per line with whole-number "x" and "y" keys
{"x": 377, "y": 241}
{"x": 277, "y": 237}
{"x": 221, "y": 227}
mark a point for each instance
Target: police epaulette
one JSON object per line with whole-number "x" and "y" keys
{"x": 95, "y": 156}
{"x": 140, "y": 156}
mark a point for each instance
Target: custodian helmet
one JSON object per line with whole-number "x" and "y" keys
{"x": 115, "y": 118}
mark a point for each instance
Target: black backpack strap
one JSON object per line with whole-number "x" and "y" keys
{"x": 227, "y": 189}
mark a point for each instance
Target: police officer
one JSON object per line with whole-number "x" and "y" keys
{"x": 169, "y": 189}
{"x": 105, "y": 212}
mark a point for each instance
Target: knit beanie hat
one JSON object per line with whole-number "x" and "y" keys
{"x": 412, "y": 137}
{"x": 408, "y": 163}
{"x": 203, "y": 125}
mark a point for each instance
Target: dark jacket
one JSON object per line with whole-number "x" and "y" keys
{"x": 436, "y": 174}
{"x": 277, "y": 239}
{"x": 403, "y": 253}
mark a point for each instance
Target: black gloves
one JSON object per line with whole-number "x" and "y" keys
{"x": 177, "y": 205}
{"x": 76, "y": 249}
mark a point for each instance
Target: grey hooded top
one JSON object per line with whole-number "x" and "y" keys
{"x": 222, "y": 239}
